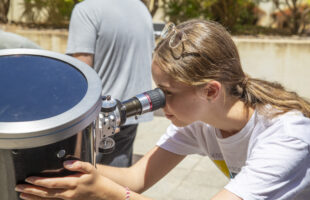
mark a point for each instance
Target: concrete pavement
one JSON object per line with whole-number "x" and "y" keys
{"x": 196, "y": 177}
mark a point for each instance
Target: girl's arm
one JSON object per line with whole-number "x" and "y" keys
{"x": 226, "y": 195}
{"x": 146, "y": 172}
{"x": 104, "y": 183}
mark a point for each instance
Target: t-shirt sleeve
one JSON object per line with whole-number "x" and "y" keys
{"x": 82, "y": 31}
{"x": 275, "y": 169}
{"x": 182, "y": 140}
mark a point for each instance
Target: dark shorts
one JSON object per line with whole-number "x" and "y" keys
{"x": 122, "y": 154}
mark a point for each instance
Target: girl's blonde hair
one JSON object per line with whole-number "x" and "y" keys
{"x": 203, "y": 51}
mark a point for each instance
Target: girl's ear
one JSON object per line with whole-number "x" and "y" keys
{"x": 211, "y": 91}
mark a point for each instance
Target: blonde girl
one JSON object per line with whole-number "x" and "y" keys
{"x": 256, "y": 132}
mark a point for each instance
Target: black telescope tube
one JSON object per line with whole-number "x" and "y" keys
{"x": 146, "y": 102}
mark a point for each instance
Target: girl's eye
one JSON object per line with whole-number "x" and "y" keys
{"x": 167, "y": 93}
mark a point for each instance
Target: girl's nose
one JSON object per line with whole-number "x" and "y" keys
{"x": 165, "y": 108}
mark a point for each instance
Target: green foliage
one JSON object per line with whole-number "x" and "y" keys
{"x": 51, "y": 12}
{"x": 181, "y": 10}
{"x": 230, "y": 13}
{"x": 255, "y": 30}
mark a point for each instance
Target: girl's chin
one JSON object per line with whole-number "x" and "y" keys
{"x": 177, "y": 122}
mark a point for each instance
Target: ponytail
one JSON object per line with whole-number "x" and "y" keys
{"x": 259, "y": 92}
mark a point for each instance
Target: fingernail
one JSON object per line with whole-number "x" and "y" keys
{"x": 19, "y": 188}
{"x": 69, "y": 163}
{"x": 22, "y": 196}
{"x": 30, "y": 179}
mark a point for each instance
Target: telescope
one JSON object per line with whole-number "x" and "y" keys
{"x": 51, "y": 110}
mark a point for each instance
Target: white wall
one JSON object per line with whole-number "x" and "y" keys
{"x": 283, "y": 60}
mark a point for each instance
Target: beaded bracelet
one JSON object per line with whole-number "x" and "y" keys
{"x": 127, "y": 193}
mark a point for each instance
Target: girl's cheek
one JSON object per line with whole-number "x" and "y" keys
{"x": 169, "y": 104}
{"x": 169, "y": 101}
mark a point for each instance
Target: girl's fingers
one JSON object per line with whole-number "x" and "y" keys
{"x": 35, "y": 192}
{"x": 74, "y": 165}
{"x": 56, "y": 187}
{"x": 33, "y": 197}
{"x": 68, "y": 182}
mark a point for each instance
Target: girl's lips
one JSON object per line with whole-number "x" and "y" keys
{"x": 168, "y": 116}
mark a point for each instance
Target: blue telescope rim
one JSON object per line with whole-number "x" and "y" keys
{"x": 29, "y": 134}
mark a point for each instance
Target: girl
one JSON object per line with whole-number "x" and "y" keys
{"x": 257, "y": 133}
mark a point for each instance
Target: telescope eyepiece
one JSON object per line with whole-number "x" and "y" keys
{"x": 145, "y": 102}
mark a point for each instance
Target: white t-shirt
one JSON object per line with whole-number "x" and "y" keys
{"x": 267, "y": 159}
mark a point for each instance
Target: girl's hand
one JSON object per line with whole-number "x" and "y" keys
{"x": 86, "y": 184}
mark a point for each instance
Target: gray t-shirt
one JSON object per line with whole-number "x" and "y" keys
{"x": 120, "y": 35}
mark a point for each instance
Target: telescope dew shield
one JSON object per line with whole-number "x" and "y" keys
{"x": 49, "y": 106}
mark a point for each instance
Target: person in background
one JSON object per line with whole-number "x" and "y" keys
{"x": 255, "y": 131}
{"x": 11, "y": 41}
{"x": 115, "y": 38}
